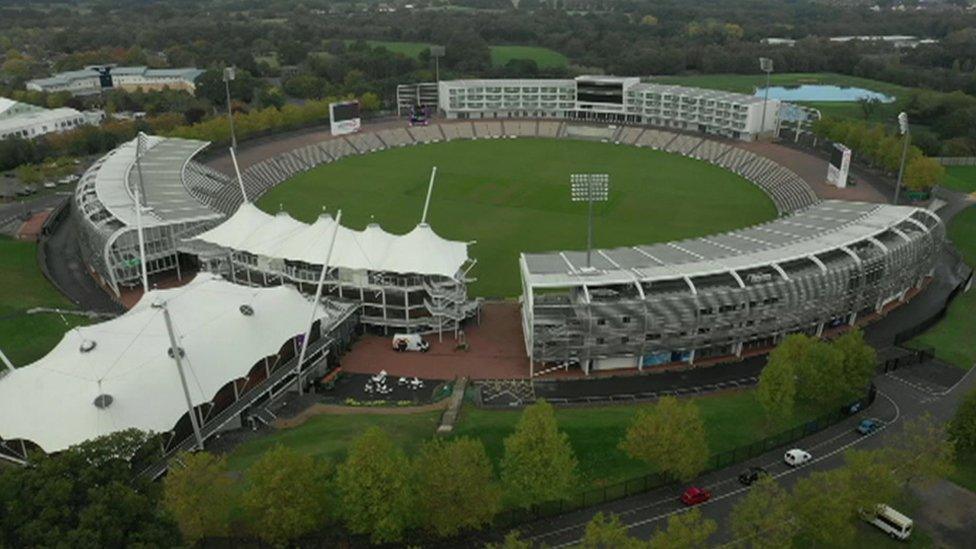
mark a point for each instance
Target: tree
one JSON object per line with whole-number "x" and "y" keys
{"x": 763, "y": 519}
{"x": 455, "y": 485}
{"x": 538, "y": 464}
{"x": 199, "y": 494}
{"x": 962, "y": 428}
{"x": 872, "y": 479}
{"x": 608, "y": 533}
{"x": 869, "y": 105}
{"x": 88, "y": 495}
{"x": 922, "y": 173}
{"x": 370, "y": 102}
{"x": 513, "y": 540}
{"x": 374, "y": 490}
{"x": 685, "y": 530}
{"x": 777, "y": 386}
{"x": 825, "y": 507}
{"x": 649, "y": 21}
{"x": 859, "y": 362}
{"x": 819, "y": 377}
{"x": 921, "y": 451}
{"x": 669, "y": 436}
{"x": 286, "y": 495}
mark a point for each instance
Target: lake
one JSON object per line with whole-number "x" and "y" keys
{"x": 825, "y": 93}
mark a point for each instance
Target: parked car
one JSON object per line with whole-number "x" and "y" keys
{"x": 695, "y": 495}
{"x": 889, "y": 521}
{"x": 751, "y": 475}
{"x": 49, "y": 185}
{"x": 868, "y": 426}
{"x": 410, "y": 342}
{"x": 796, "y": 457}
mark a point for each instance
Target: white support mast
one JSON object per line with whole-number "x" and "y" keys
{"x": 6, "y": 361}
{"x": 430, "y": 189}
{"x": 178, "y": 357}
{"x": 139, "y": 193}
{"x": 315, "y": 302}
{"x": 237, "y": 170}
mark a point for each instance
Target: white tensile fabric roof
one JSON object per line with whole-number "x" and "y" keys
{"x": 51, "y": 402}
{"x": 420, "y": 251}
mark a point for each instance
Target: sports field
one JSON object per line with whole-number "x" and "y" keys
{"x": 960, "y": 178}
{"x": 24, "y": 337}
{"x": 512, "y": 195}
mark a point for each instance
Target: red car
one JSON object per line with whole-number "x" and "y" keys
{"x": 695, "y": 495}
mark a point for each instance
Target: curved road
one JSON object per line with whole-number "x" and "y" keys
{"x": 897, "y": 402}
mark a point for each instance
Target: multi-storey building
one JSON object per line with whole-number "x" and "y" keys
{"x": 30, "y": 121}
{"x": 613, "y": 100}
{"x": 97, "y": 78}
{"x": 824, "y": 267}
{"x": 104, "y": 208}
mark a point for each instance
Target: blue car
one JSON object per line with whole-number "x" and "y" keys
{"x": 868, "y": 426}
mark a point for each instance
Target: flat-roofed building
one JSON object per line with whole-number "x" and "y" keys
{"x": 612, "y": 99}
{"x": 30, "y": 121}
{"x": 821, "y": 268}
{"x": 97, "y": 78}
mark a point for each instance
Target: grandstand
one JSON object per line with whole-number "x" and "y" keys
{"x": 824, "y": 267}
{"x": 178, "y": 197}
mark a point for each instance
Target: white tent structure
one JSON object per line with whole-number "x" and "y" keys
{"x": 121, "y": 374}
{"x": 420, "y": 251}
{"x": 413, "y": 282}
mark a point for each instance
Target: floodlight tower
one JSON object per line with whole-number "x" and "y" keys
{"x": 437, "y": 52}
{"x": 904, "y": 129}
{"x": 230, "y": 74}
{"x": 766, "y": 65}
{"x": 589, "y": 188}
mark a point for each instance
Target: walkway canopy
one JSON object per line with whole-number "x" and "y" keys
{"x": 119, "y": 374}
{"x": 420, "y": 251}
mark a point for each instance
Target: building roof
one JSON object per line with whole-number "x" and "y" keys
{"x": 163, "y": 164}
{"x": 65, "y": 78}
{"x": 420, "y": 251}
{"x": 52, "y": 401}
{"x": 37, "y": 118}
{"x": 825, "y": 226}
{"x": 717, "y": 95}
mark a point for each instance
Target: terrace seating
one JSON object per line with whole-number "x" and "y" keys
{"x": 548, "y": 129}
{"x": 487, "y": 129}
{"x": 629, "y": 135}
{"x": 682, "y": 144}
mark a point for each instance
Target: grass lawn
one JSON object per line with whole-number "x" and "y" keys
{"x": 512, "y": 196}
{"x": 500, "y": 55}
{"x": 25, "y": 338}
{"x": 960, "y": 178}
{"x": 965, "y": 473}
{"x": 954, "y": 338}
{"x": 732, "y": 420}
{"x": 748, "y": 83}
{"x": 543, "y": 57}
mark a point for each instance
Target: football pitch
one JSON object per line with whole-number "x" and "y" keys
{"x": 512, "y": 195}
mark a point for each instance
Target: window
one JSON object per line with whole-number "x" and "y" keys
{"x": 601, "y": 321}
{"x": 625, "y": 320}
{"x": 652, "y": 337}
{"x": 599, "y": 341}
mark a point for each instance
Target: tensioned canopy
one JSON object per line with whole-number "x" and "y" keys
{"x": 52, "y": 402}
{"x": 420, "y": 251}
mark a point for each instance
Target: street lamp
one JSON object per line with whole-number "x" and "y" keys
{"x": 904, "y": 130}
{"x": 437, "y": 52}
{"x": 766, "y": 65}
{"x": 589, "y": 188}
{"x": 229, "y": 74}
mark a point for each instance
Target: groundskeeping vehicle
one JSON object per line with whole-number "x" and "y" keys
{"x": 410, "y": 342}
{"x": 889, "y": 521}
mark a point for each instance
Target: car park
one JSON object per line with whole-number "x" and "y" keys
{"x": 695, "y": 495}
{"x": 751, "y": 475}
{"x": 868, "y": 426}
{"x": 796, "y": 457}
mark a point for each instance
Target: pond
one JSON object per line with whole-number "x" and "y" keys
{"x": 821, "y": 92}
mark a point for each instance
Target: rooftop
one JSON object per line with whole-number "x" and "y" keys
{"x": 822, "y": 227}
{"x": 167, "y": 198}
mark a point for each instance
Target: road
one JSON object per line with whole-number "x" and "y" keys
{"x": 902, "y": 395}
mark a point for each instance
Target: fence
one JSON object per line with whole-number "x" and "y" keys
{"x": 513, "y": 517}
{"x": 957, "y": 160}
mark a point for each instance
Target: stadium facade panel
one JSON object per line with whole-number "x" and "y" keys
{"x": 821, "y": 268}
{"x": 609, "y": 99}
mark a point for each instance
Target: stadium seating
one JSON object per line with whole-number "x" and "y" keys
{"x": 787, "y": 190}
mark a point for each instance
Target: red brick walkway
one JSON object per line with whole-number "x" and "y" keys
{"x": 31, "y": 229}
{"x": 496, "y": 350}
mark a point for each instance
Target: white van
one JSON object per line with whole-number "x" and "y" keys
{"x": 410, "y": 342}
{"x": 796, "y": 457}
{"x": 891, "y": 522}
